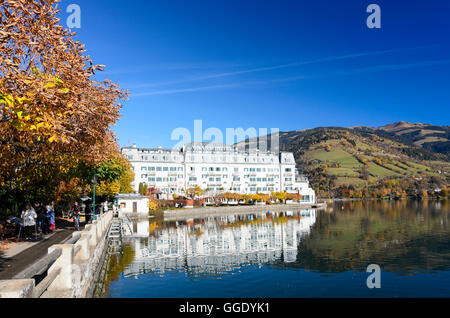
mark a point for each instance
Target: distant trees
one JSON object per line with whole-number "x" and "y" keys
{"x": 195, "y": 192}
{"x": 143, "y": 188}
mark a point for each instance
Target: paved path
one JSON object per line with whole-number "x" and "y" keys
{"x": 9, "y": 267}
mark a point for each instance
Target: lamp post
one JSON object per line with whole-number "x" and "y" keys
{"x": 94, "y": 182}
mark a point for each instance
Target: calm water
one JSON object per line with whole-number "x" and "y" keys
{"x": 307, "y": 253}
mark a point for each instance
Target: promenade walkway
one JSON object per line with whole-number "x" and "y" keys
{"x": 11, "y": 266}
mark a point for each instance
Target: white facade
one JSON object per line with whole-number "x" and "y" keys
{"x": 131, "y": 203}
{"x": 216, "y": 168}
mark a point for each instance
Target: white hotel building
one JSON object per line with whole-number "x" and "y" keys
{"x": 216, "y": 168}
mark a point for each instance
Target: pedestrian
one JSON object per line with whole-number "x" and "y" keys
{"x": 87, "y": 213}
{"x": 105, "y": 206}
{"x": 41, "y": 217}
{"x": 29, "y": 217}
{"x": 50, "y": 213}
{"x": 75, "y": 214}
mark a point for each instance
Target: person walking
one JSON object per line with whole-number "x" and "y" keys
{"x": 29, "y": 217}
{"x": 50, "y": 214}
{"x": 75, "y": 214}
{"x": 87, "y": 213}
{"x": 41, "y": 217}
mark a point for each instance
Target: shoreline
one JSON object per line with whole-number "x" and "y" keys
{"x": 243, "y": 209}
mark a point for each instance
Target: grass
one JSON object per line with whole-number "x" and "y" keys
{"x": 345, "y": 172}
{"x": 380, "y": 171}
{"x": 351, "y": 180}
{"x": 340, "y": 156}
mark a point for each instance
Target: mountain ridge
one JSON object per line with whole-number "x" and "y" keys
{"x": 365, "y": 159}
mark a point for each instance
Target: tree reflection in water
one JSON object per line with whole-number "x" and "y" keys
{"x": 402, "y": 236}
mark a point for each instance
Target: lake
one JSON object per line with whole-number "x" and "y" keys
{"x": 296, "y": 253}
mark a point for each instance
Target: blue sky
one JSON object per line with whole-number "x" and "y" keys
{"x": 269, "y": 64}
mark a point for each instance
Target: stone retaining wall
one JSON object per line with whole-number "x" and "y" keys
{"x": 77, "y": 264}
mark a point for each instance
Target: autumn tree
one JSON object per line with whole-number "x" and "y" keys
{"x": 195, "y": 192}
{"x": 54, "y": 115}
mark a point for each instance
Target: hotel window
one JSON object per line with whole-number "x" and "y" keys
{"x": 151, "y": 168}
{"x": 143, "y": 168}
{"x": 225, "y": 169}
{"x": 204, "y": 169}
{"x": 217, "y": 169}
{"x": 151, "y": 179}
{"x": 165, "y": 168}
{"x": 236, "y": 179}
{"x": 245, "y": 169}
{"x": 158, "y": 179}
{"x": 236, "y": 169}
{"x": 218, "y": 179}
{"x": 211, "y": 179}
{"x": 288, "y": 179}
{"x": 192, "y": 179}
{"x": 288, "y": 170}
{"x": 158, "y": 169}
{"x": 225, "y": 176}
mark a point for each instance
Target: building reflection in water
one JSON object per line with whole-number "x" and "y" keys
{"x": 217, "y": 245}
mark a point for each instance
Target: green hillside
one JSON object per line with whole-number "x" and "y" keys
{"x": 339, "y": 159}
